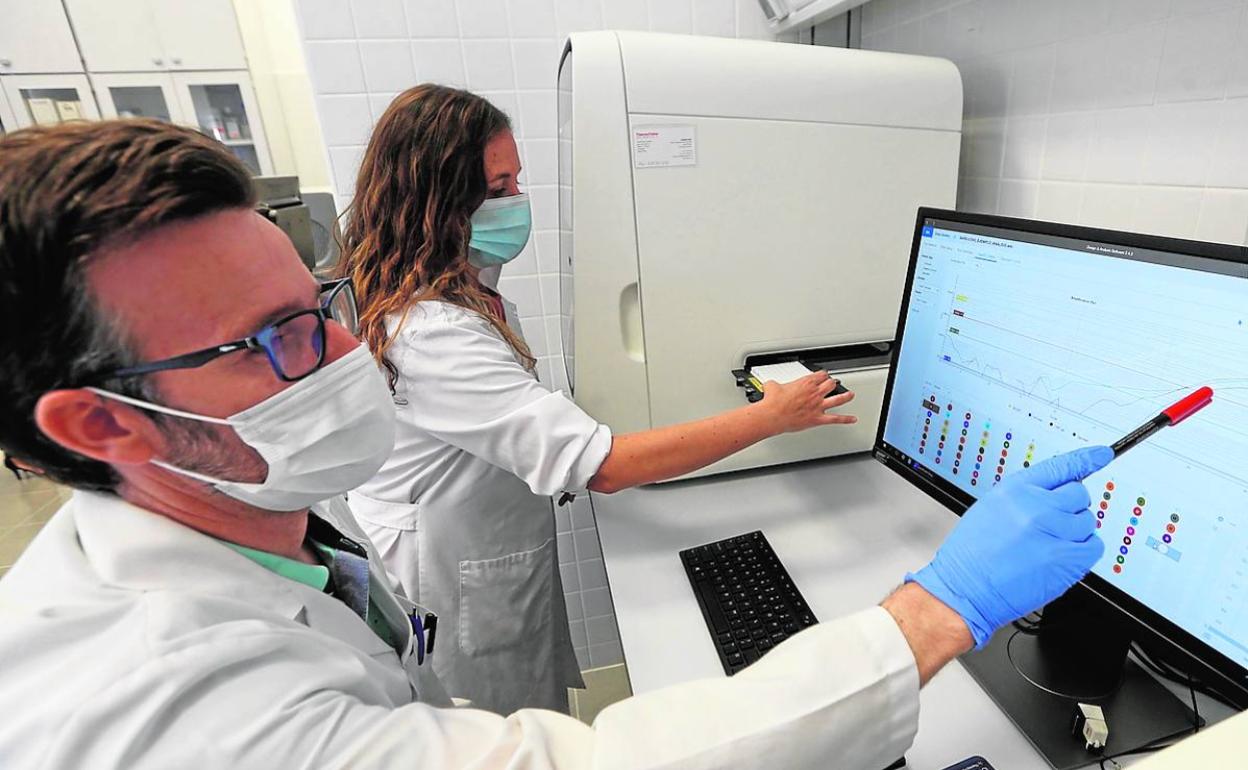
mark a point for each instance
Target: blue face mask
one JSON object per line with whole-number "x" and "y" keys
{"x": 500, "y": 228}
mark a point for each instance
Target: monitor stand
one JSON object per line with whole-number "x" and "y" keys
{"x": 1080, "y": 655}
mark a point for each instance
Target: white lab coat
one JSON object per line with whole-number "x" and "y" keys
{"x": 130, "y": 641}
{"x": 461, "y": 510}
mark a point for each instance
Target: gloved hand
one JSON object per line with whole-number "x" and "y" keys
{"x": 1020, "y": 546}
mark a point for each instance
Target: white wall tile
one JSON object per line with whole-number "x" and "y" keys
{"x": 378, "y": 18}
{"x": 1108, "y": 206}
{"x": 1032, "y": 80}
{"x": 505, "y": 101}
{"x": 1197, "y": 59}
{"x": 482, "y": 18}
{"x": 325, "y": 19}
{"x": 978, "y": 195}
{"x": 1081, "y": 18}
{"x": 532, "y": 18}
{"x": 534, "y": 331}
{"x": 547, "y": 251}
{"x": 541, "y": 157}
{"x": 1223, "y": 217}
{"x": 1066, "y": 146}
{"x": 387, "y": 65}
{"x": 609, "y": 654}
{"x": 587, "y": 545}
{"x": 334, "y": 67}
{"x": 431, "y": 18}
{"x": 572, "y": 600}
{"x": 565, "y": 548}
{"x": 1126, "y": 14}
{"x": 523, "y": 291}
{"x": 592, "y": 573}
{"x": 1167, "y": 211}
{"x": 487, "y": 64}
{"x": 345, "y": 163}
{"x": 1230, "y": 166}
{"x": 578, "y": 633}
{"x": 597, "y": 602}
{"x": 751, "y": 21}
{"x": 716, "y": 18}
{"x": 987, "y": 146}
{"x": 1079, "y": 77}
{"x": 1237, "y": 85}
{"x": 439, "y": 61}
{"x": 379, "y": 102}
{"x": 986, "y": 83}
{"x": 577, "y": 15}
{"x": 1119, "y": 141}
{"x": 1018, "y": 198}
{"x": 1132, "y": 60}
{"x": 536, "y": 63}
{"x": 1024, "y": 147}
{"x": 545, "y": 201}
{"x": 1180, "y": 143}
{"x": 524, "y": 264}
{"x": 625, "y": 14}
{"x": 345, "y": 119}
{"x": 671, "y": 16}
{"x": 538, "y": 113}
{"x": 1059, "y": 202}
{"x": 601, "y": 630}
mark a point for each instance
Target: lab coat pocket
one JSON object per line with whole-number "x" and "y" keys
{"x": 505, "y": 603}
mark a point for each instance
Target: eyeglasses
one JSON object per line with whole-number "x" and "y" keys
{"x": 294, "y": 345}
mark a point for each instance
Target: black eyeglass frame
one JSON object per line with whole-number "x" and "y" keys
{"x": 329, "y": 291}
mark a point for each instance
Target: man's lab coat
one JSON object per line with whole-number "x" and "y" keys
{"x": 128, "y": 640}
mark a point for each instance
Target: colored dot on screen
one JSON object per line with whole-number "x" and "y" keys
{"x": 1170, "y": 528}
{"x": 1123, "y": 550}
{"x": 1098, "y": 525}
{"x": 1100, "y": 514}
{"x": 1138, "y": 511}
{"x": 1106, "y": 495}
{"x": 1120, "y": 559}
{"x": 1166, "y": 538}
{"x": 1118, "y": 568}
{"x": 1109, "y": 485}
{"x": 1134, "y": 521}
{"x": 1104, "y": 505}
{"x": 1139, "y": 501}
{"x": 1126, "y": 541}
{"x": 1175, "y": 518}
{"x": 1130, "y": 530}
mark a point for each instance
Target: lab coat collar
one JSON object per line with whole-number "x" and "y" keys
{"x": 134, "y": 548}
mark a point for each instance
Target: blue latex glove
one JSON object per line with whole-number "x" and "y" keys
{"x": 1020, "y": 546}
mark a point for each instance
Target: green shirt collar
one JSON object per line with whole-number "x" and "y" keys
{"x": 314, "y": 575}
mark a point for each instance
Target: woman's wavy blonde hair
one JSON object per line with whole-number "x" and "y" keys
{"x": 406, "y": 234}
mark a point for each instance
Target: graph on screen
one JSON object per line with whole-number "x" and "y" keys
{"x": 1016, "y": 351}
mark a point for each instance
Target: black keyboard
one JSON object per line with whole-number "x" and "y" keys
{"x": 747, "y": 597}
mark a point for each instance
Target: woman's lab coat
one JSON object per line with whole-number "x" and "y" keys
{"x": 130, "y": 641}
{"x": 462, "y": 510}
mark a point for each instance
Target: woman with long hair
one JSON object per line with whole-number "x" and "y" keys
{"x": 462, "y": 511}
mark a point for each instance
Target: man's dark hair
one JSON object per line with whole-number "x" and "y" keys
{"x": 67, "y": 193}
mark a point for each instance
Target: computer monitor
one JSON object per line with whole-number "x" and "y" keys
{"x": 1019, "y": 340}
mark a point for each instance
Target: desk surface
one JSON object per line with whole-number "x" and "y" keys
{"x": 847, "y": 530}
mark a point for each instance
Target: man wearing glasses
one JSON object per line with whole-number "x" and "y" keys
{"x": 205, "y": 598}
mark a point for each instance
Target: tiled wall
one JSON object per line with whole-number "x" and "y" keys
{"x": 361, "y": 53}
{"x": 1127, "y": 114}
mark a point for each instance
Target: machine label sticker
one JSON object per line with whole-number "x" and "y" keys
{"x": 664, "y": 146}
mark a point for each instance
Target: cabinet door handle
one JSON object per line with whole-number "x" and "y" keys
{"x": 176, "y": 61}
{"x": 158, "y": 61}
{"x": 6, "y": 62}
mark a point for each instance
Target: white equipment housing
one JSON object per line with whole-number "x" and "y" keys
{"x": 725, "y": 199}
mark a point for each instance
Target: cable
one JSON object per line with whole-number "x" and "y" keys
{"x": 1166, "y": 671}
{"x": 1149, "y": 749}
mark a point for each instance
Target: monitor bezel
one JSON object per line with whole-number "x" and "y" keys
{"x": 1154, "y": 627}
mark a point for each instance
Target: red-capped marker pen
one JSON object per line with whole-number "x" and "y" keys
{"x": 1171, "y": 415}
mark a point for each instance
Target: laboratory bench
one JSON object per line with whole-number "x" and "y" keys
{"x": 847, "y": 529}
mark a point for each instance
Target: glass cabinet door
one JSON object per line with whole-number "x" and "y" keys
{"x": 140, "y": 102}
{"x": 41, "y": 100}
{"x": 222, "y": 106}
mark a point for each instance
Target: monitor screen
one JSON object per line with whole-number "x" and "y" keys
{"x": 1021, "y": 340}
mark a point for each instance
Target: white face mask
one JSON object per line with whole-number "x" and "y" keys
{"x": 323, "y": 436}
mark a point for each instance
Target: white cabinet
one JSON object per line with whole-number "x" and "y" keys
{"x": 49, "y": 99}
{"x": 7, "y": 121}
{"x": 157, "y": 35}
{"x": 199, "y": 34}
{"x": 220, "y": 104}
{"x": 35, "y": 37}
{"x": 223, "y": 106}
{"x": 138, "y": 95}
